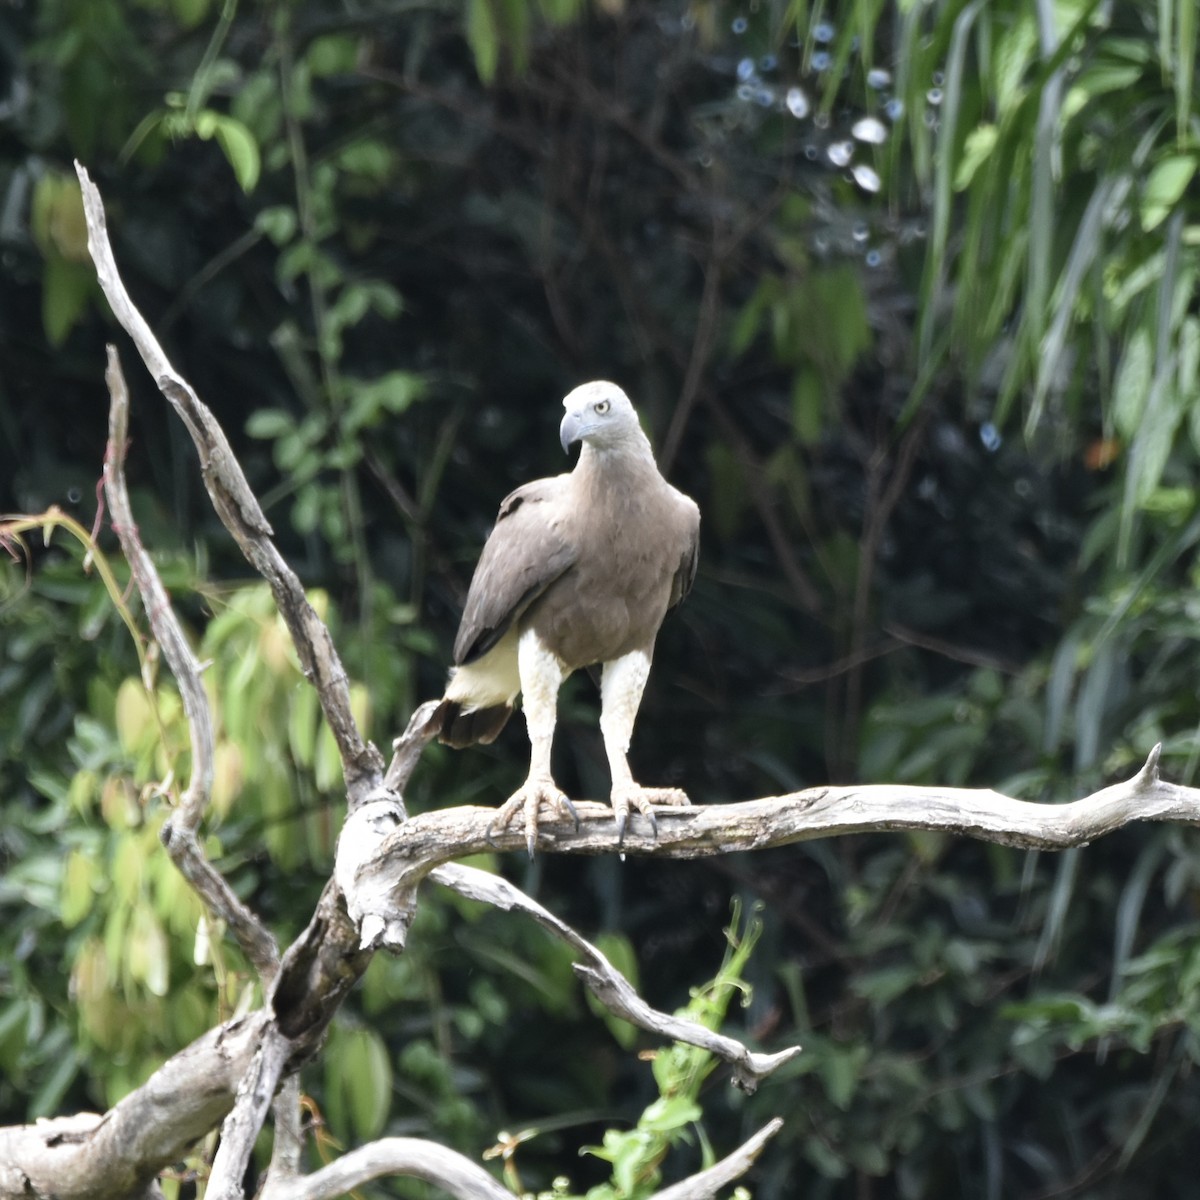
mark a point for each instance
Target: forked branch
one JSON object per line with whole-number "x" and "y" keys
{"x": 238, "y": 508}
{"x": 179, "y": 833}
{"x": 607, "y": 984}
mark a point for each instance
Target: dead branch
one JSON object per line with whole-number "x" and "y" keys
{"x": 427, "y": 840}
{"x": 414, "y": 1158}
{"x": 461, "y": 1178}
{"x": 704, "y": 1186}
{"x": 240, "y": 1128}
{"x": 163, "y": 623}
{"x": 607, "y": 984}
{"x": 118, "y": 1155}
{"x": 238, "y": 508}
{"x": 288, "y": 1147}
{"x": 179, "y": 832}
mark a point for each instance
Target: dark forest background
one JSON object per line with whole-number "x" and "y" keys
{"x": 906, "y": 296}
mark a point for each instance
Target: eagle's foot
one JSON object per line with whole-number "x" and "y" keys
{"x": 633, "y": 795}
{"x": 529, "y": 799}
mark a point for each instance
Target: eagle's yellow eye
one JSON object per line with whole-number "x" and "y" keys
{"x": 601, "y": 407}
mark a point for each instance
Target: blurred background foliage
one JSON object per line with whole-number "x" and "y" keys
{"x": 906, "y": 294}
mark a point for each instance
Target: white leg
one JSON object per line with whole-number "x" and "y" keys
{"x": 541, "y": 677}
{"x": 621, "y": 690}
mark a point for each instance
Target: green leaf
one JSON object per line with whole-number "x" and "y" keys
{"x": 884, "y": 985}
{"x": 748, "y": 322}
{"x": 841, "y": 1070}
{"x": 134, "y": 715}
{"x": 514, "y": 15}
{"x": 1155, "y": 439}
{"x": 1106, "y": 77}
{"x": 371, "y": 401}
{"x": 1184, "y": 67}
{"x": 980, "y": 143}
{"x": 237, "y": 143}
{"x": 332, "y": 54}
{"x": 807, "y": 406}
{"x": 278, "y": 222}
{"x": 56, "y": 219}
{"x": 190, "y": 12}
{"x": 79, "y": 877}
{"x": 1132, "y": 385}
{"x": 1015, "y": 51}
{"x": 269, "y": 423}
{"x": 560, "y": 12}
{"x": 483, "y": 36}
{"x": 148, "y": 952}
{"x": 303, "y": 718}
{"x": 359, "y": 1077}
{"x": 669, "y": 1113}
{"x": 1167, "y": 182}
{"x": 306, "y": 512}
{"x": 66, "y": 287}
{"x": 370, "y": 158}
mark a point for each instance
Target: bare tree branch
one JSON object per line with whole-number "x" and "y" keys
{"x": 607, "y": 984}
{"x": 704, "y": 1185}
{"x": 240, "y": 1128}
{"x": 407, "y": 748}
{"x": 118, "y": 1155}
{"x": 288, "y": 1147}
{"x": 163, "y": 622}
{"x": 418, "y": 1159}
{"x": 241, "y": 513}
{"x": 179, "y": 831}
{"x": 429, "y": 839}
{"x": 414, "y": 1158}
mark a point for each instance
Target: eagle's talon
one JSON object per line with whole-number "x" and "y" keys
{"x": 643, "y": 799}
{"x": 528, "y": 799}
{"x": 572, "y": 812}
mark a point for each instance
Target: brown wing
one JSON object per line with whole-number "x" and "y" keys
{"x": 685, "y": 575}
{"x": 524, "y": 554}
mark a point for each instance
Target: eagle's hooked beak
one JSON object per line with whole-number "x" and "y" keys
{"x": 570, "y": 431}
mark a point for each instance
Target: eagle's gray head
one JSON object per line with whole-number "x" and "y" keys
{"x": 599, "y": 414}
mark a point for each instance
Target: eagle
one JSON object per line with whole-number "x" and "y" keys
{"x": 578, "y": 572}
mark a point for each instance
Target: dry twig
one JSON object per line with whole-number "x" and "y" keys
{"x": 179, "y": 831}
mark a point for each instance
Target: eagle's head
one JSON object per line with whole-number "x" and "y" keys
{"x": 599, "y": 414}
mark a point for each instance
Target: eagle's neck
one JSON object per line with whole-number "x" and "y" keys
{"x": 628, "y": 459}
{"x": 618, "y": 482}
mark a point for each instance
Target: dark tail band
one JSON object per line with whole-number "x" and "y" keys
{"x": 458, "y": 728}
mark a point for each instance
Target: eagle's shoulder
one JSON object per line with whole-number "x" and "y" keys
{"x": 533, "y": 497}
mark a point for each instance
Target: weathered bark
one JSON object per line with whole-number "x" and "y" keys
{"x": 413, "y": 848}
{"x": 118, "y": 1155}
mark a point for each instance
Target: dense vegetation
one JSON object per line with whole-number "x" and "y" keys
{"x": 906, "y": 295}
